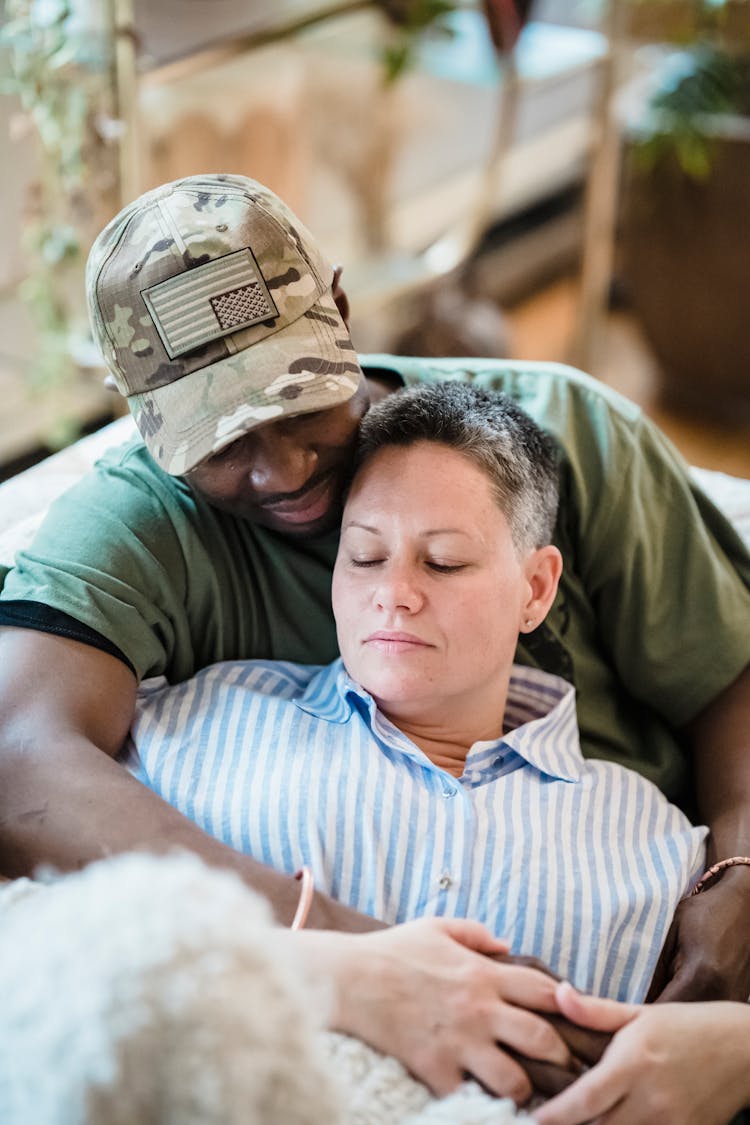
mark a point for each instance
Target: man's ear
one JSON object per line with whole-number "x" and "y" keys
{"x": 543, "y": 570}
{"x": 339, "y": 295}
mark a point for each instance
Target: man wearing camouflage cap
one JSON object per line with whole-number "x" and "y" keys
{"x": 183, "y": 284}
{"x": 214, "y": 538}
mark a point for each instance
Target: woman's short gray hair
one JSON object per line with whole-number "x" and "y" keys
{"x": 489, "y": 429}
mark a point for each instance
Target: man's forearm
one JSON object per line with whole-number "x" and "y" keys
{"x": 83, "y": 806}
{"x": 707, "y": 956}
{"x": 720, "y": 737}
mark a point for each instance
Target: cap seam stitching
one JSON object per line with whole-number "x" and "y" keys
{"x": 286, "y": 235}
{"x": 139, "y": 291}
{"x": 245, "y": 193}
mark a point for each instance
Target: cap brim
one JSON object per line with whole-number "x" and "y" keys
{"x": 309, "y": 365}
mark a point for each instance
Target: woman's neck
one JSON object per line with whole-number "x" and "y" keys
{"x": 446, "y": 741}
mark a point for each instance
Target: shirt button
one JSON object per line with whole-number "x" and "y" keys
{"x": 445, "y": 882}
{"x": 498, "y": 762}
{"x": 449, "y": 792}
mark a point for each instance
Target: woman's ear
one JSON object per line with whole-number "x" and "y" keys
{"x": 543, "y": 570}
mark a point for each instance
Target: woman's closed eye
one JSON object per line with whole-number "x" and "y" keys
{"x": 435, "y": 565}
{"x": 445, "y": 567}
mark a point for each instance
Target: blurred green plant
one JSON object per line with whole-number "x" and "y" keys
{"x": 695, "y": 85}
{"x": 707, "y": 78}
{"x": 411, "y": 19}
{"x": 57, "y": 62}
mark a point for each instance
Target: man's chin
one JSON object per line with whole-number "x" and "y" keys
{"x": 295, "y": 530}
{"x": 314, "y": 512}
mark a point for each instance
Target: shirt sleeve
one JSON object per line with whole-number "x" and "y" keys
{"x": 668, "y": 576}
{"x": 171, "y": 582}
{"x": 109, "y": 556}
{"x": 42, "y": 619}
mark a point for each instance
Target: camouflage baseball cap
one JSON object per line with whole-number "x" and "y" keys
{"x": 213, "y": 310}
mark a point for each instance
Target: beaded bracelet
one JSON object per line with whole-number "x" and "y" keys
{"x": 707, "y": 876}
{"x": 306, "y": 897}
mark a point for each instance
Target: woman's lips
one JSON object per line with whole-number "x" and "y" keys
{"x": 388, "y": 641}
{"x": 311, "y": 506}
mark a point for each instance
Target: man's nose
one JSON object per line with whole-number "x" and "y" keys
{"x": 279, "y": 464}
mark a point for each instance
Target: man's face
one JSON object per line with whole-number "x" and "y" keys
{"x": 428, "y": 588}
{"x": 287, "y": 475}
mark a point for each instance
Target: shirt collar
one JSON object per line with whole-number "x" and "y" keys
{"x": 334, "y": 696}
{"x": 540, "y": 711}
{"x": 327, "y": 694}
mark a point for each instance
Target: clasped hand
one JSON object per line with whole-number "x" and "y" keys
{"x": 445, "y": 998}
{"x": 449, "y": 1001}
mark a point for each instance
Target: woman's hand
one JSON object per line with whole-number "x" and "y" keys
{"x": 668, "y": 1064}
{"x": 427, "y": 993}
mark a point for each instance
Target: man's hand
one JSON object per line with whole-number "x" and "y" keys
{"x": 427, "y": 993}
{"x": 673, "y": 1064}
{"x": 586, "y": 1046}
{"x": 705, "y": 956}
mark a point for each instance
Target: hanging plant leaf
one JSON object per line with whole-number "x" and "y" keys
{"x": 58, "y": 64}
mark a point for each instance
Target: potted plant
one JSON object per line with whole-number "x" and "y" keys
{"x": 686, "y": 203}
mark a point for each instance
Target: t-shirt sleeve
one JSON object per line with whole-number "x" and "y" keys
{"x": 42, "y": 619}
{"x": 667, "y": 575}
{"x": 109, "y": 556}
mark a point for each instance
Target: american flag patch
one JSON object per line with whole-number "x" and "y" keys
{"x": 209, "y": 302}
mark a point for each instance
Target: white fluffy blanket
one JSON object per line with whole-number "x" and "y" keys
{"x": 146, "y": 990}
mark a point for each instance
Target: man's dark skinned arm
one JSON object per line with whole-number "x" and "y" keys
{"x": 65, "y": 712}
{"x": 707, "y": 953}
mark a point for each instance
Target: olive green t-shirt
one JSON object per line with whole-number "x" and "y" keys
{"x": 651, "y": 621}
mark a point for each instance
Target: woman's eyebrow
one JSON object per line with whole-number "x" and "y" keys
{"x": 423, "y": 534}
{"x": 362, "y": 526}
{"x": 446, "y": 531}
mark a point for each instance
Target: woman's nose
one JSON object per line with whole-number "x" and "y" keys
{"x": 279, "y": 464}
{"x": 398, "y": 589}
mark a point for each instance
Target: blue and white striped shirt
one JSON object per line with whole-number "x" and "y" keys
{"x": 580, "y": 863}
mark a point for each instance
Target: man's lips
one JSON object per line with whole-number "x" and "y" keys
{"x": 395, "y": 641}
{"x": 307, "y": 507}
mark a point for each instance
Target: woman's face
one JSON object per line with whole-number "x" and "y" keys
{"x": 429, "y": 592}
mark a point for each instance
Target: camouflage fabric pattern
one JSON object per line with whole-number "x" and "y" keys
{"x": 212, "y": 307}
